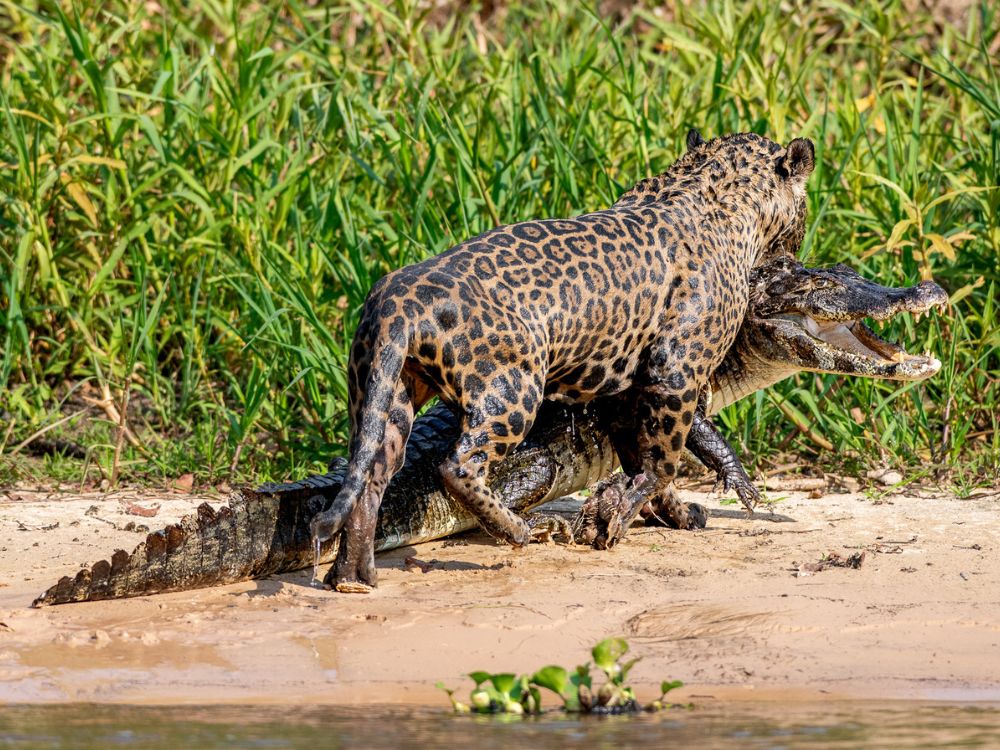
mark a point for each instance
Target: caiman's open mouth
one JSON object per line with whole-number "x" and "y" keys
{"x": 850, "y": 347}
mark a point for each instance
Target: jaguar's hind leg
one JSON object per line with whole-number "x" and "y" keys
{"x": 492, "y": 425}
{"x": 354, "y": 569}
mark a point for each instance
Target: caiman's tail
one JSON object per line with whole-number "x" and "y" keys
{"x": 260, "y": 532}
{"x": 377, "y": 386}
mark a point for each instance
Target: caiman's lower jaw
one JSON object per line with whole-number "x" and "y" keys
{"x": 849, "y": 348}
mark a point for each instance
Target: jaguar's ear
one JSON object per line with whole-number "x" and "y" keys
{"x": 694, "y": 139}
{"x": 798, "y": 160}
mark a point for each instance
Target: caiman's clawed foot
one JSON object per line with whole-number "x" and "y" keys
{"x": 669, "y": 510}
{"x": 734, "y": 478}
{"x": 547, "y": 528}
{"x": 608, "y": 513}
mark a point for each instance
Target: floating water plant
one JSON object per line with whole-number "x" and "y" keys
{"x": 509, "y": 694}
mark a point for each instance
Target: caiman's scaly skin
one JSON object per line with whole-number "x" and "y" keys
{"x": 644, "y": 297}
{"x": 268, "y": 530}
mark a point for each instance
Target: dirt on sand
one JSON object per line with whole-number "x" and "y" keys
{"x": 841, "y": 595}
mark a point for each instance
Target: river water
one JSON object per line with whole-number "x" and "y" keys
{"x": 897, "y": 725}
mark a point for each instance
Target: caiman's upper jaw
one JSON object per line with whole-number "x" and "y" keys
{"x": 849, "y": 347}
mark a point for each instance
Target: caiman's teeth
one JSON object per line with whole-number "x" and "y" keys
{"x": 917, "y": 315}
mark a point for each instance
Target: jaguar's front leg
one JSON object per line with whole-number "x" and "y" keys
{"x": 665, "y": 411}
{"x": 648, "y": 425}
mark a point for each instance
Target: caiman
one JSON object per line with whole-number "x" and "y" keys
{"x": 799, "y": 319}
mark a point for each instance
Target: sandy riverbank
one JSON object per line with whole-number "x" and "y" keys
{"x": 726, "y": 610}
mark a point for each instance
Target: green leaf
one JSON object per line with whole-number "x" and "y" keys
{"x": 965, "y": 291}
{"x": 553, "y": 677}
{"x": 505, "y": 682}
{"x": 252, "y": 153}
{"x": 534, "y": 698}
{"x": 608, "y": 652}
{"x": 907, "y": 201}
{"x": 109, "y": 265}
{"x": 79, "y": 195}
{"x": 667, "y": 685}
{"x": 941, "y": 245}
{"x": 261, "y": 54}
{"x": 896, "y": 236}
{"x": 955, "y": 193}
{"x": 479, "y": 677}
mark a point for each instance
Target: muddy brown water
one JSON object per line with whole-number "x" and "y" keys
{"x": 898, "y": 725}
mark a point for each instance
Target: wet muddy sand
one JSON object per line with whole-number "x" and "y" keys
{"x": 746, "y": 609}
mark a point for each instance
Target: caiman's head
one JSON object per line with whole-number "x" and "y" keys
{"x": 813, "y": 319}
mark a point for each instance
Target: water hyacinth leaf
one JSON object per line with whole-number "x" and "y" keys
{"x": 607, "y": 653}
{"x": 608, "y": 694}
{"x": 456, "y": 705}
{"x": 479, "y": 677}
{"x": 552, "y": 677}
{"x": 505, "y": 682}
{"x": 521, "y": 694}
{"x": 667, "y": 685}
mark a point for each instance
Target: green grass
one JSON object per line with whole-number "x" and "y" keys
{"x": 194, "y": 202}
